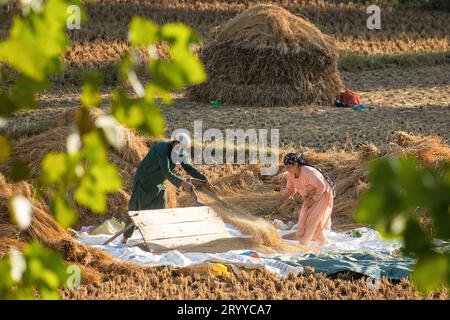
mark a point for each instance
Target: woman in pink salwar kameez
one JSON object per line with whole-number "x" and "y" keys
{"x": 317, "y": 192}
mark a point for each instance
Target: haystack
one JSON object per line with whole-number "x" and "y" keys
{"x": 266, "y": 56}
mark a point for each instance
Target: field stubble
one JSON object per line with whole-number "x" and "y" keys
{"x": 102, "y": 37}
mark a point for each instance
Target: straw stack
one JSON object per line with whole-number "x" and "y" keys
{"x": 266, "y": 56}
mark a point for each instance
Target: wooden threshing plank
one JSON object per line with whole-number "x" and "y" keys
{"x": 175, "y": 215}
{"x": 185, "y": 241}
{"x": 182, "y": 229}
{"x": 177, "y": 227}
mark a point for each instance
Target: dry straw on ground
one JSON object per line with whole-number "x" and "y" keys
{"x": 252, "y": 193}
{"x": 93, "y": 262}
{"x": 163, "y": 283}
{"x": 266, "y": 56}
{"x": 242, "y": 190}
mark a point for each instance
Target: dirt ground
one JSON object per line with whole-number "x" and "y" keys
{"x": 416, "y": 100}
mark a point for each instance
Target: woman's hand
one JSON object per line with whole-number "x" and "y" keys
{"x": 308, "y": 202}
{"x": 276, "y": 207}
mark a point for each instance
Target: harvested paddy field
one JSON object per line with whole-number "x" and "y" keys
{"x": 402, "y": 70}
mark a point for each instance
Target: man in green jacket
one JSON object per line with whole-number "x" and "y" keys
{"x": 149, "y": 191}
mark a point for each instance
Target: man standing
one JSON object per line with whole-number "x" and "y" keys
{"x": 149, "y": 191}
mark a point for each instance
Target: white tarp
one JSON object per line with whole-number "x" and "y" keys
{"x": 369, "y": 241}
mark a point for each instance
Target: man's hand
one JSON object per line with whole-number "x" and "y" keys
{"x": 205, "y": 182}
{"x": 187, "y": 186}
{"x": 209, "y": 184}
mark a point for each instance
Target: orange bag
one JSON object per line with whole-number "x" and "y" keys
{"x": 349, "y": 97}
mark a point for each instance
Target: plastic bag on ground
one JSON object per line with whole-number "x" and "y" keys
{"x": 110, "y": 226}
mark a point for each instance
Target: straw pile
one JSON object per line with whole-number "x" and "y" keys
{"x": 94, "y": 263}
{"x": 33, "y": 149}
{"x": 351, "y": 177}
{"x": 266, "y": 56}
{"x": 256, "y": 195}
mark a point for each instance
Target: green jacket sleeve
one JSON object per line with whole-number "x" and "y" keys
{"x": 165, "y": 169}
{"x": 191, "y": 170}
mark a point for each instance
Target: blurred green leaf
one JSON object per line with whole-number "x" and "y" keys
{"x": 125, "y": 66}
{"x": 94, "y": 147}
{"x": 34, "y": 47}
{"x": 7, "y": 282}
{"x": 100, "y": 179}
{"x": 64, "y": 213}
{"x": 90, "y": 95}
{"x": 8, "y": 106}
{"x": 168, "y": 75}
{"x": 143, "y": 32}
{"x": 46, "y": 268}
{"x": 137, "y": 113}
{"x": 431, "y": 272}
{"x": 44, "y": 274}
{"x": 184, "y": 67}
{"x": 107, "y": 177}
{"x": 398, "y": 188}
{"x": 89, "y": 196}
{"x": 54, "y": 167}
{"x": 417, "y": 242}
{"x": 181, "y": 69}
{"x": 153, "y": 91}
{"x": 84, "y": 121}
{"x": 5, "y": 148}
{"x": 24, "y": 91}
{"x": 41, "y": 32}
{"x": 370, "y": 208}
{"x": 19, "y": 171}
{"x": 179, "y": 35}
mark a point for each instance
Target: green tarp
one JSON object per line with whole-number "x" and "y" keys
{"x": 373, "y": 264}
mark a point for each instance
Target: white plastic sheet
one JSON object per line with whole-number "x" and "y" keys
{"x": 341, "y": 241}
{"x": 370, "y": 241}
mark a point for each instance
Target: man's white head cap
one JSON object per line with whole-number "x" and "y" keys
{"x": 183, "y": 139}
